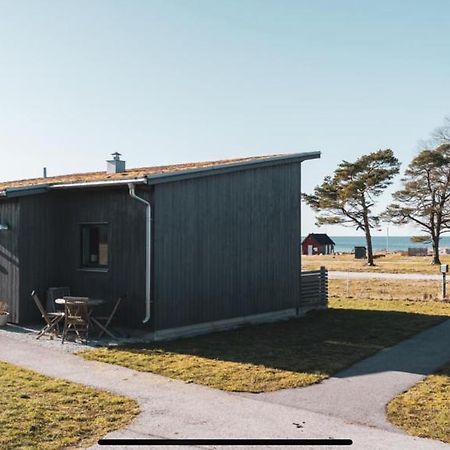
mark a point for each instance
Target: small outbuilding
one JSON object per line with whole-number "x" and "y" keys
{"x": 317, "y": 244}
{"x": 193, "y": 247}
{"x": 417, "y": 251}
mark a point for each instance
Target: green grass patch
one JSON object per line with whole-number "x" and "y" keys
{"x": 38, "y": 412}
{"x": 424, "y": 410}
{"x": 282, "y": 355}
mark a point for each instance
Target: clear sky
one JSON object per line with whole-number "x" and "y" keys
{"x": 166, "y": 81}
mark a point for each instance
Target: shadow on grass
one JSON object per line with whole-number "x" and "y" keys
{"x": 323, "y": 342}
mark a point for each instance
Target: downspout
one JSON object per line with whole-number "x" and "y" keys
{"x": 148, "y": 249}
{"x": 298, "y": 302}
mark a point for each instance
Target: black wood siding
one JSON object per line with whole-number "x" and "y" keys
{"x": 49, "y": 248}
{"x": 226, "y": 246}
{"x": 38, "y": 232}
{"x": 9, "y": 257}
{"x": 126, "y": 227}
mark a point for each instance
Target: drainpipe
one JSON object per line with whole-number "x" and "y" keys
{"x": 148, "y": 254}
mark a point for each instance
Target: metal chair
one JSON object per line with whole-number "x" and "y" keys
{"x": 103, "y": 321}
{"x": 76, "y": 318}
{"x": 52, "y": 319}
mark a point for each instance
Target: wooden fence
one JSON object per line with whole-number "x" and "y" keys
{"x": 314, "y": 288}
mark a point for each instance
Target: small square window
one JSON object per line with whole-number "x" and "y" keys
{"x": 94, "y": 245}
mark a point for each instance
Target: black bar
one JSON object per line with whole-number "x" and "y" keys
{"x": 225, "y": 442}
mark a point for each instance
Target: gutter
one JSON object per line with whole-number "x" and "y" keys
{"x": 24, "y": 190}
{"x": 98, "y": 183}
{"x": 148, "y": 248}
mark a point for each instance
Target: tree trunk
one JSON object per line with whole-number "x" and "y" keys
{"x": 435, "y": 243}
{"x": 369, "y": 248}
{"x": 367, "y": 231}
{"x": 368, "y": 239}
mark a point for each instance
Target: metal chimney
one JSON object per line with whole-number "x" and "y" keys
{"x": 115, "y": 165}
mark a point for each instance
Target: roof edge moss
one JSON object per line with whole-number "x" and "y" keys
{"x": 163, "y": 177}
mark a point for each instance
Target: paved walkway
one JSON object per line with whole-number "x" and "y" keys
{"x": 174, "y": 409}
{"x": 382, "y": 276}
{"x": 359, "y": 394}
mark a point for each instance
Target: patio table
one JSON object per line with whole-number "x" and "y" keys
{"x": 92, "y": 303}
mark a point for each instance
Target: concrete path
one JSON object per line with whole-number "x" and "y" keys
{"x": 382, "y": 276}
{"x": 359, "y": 394}
{"x": 174, "y": 409}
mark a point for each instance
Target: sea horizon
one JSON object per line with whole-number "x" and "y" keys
{"x": 381, "y": 243}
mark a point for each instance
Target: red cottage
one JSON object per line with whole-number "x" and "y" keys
{"x": 317, "y": 244}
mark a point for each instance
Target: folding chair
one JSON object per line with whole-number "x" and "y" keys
{"x": 52, "y": 294}
{"x": 52, "y": 319}
{"x": 76, "y": 318}
{"x": 107, "y": 319}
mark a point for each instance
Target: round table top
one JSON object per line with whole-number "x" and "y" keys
{"x": 89, "y": 301}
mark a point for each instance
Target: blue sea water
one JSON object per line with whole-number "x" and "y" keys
{"x": 379, "y": 243}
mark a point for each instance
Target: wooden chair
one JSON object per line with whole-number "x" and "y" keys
{"x": 52, "y": 294}
{"x": 76, "y": 318}
{"x": 103, "y": 321}
{"x": 52, "y": 319}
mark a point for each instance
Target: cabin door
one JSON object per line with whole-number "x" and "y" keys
{"x": 310, "y": 249}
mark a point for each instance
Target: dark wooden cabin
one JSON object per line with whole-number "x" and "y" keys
{"x": 221, "y": 244}
{"x": 317, "y": 244}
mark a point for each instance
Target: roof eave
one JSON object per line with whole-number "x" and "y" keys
{"x": 231, "y": 167}
{"x": 23, "y": 191}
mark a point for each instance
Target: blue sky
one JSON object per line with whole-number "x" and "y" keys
{"x": 184, "y": 80}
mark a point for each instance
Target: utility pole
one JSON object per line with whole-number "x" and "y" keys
{"x": 387, "y": 239}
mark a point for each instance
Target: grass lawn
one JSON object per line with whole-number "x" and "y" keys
{"x": 385, "y": 289}
{"x": 285, "y": 354}
{"x": 38, "y": 412}
{"x": 424, "y": 410}
{"x": 393, "y": 263}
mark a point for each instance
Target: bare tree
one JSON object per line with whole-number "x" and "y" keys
{"x": 439, "y": 136}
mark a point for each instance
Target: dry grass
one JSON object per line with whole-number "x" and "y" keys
{"x": 38, "y": 412}
{"x": 386, "y": 289}
{"x": 129, "y": 174}
{"x": 438, "y": 310}
{"x": 281, "y": 355}
{"x": 392, "y": 263}
{"x": 424, "y": 410}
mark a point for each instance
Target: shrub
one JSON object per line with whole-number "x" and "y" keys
{"x": 3, "y": 307}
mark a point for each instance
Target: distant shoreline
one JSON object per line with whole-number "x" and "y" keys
{"x": 346, "y": 244}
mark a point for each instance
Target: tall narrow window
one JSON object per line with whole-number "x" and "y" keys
{"x": 94, "y": 245}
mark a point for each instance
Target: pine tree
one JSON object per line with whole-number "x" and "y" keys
{"x": 348, "y": 197}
